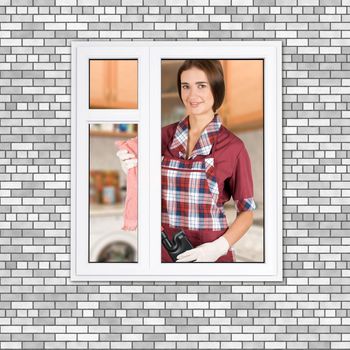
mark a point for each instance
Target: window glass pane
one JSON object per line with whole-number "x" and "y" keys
{"x": 184, "y": 206}
{"x": 113, "y": 84}
{"x": 113, "y": 193}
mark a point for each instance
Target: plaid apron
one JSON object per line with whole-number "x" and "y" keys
{"x": 190, "y": 193}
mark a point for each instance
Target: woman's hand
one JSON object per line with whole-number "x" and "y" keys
{"x": 127, "y": 160}
{"x": 207, "y": 252}
{"x": 210, "y": 252}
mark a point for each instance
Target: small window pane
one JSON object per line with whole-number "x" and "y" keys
{"x": 113, "y": 84}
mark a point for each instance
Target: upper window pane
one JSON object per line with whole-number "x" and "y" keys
{"x": 113, "y": 84}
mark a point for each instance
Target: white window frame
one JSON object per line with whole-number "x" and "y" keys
{"x": 149, "y": 56}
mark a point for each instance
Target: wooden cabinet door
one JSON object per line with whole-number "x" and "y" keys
{"x": 243, "y": 105}
{"x": 113, "y": 84}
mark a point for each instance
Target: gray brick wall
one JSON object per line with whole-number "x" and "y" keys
{"x": 41, "y": 309}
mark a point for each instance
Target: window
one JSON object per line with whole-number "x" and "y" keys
{"x": 126, "y": 92}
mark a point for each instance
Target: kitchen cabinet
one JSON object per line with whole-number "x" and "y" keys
{"x": 242, "y": 109}
{"x": 113, "y": 84}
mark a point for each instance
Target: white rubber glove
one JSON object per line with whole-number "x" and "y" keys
{"x": 127, "y": 160}
{"x": 207, "y": 252}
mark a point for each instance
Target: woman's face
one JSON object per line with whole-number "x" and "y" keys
{"x": 196, "y": 92}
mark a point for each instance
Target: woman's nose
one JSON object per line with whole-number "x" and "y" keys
{"x": 191, "y": 93}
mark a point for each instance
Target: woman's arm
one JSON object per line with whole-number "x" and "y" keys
{"x": 239, "y": 227}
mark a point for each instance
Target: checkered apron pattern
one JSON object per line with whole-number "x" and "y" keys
{"x": 189, "y": 195}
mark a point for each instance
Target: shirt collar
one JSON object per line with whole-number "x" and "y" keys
{"x": 204, "y": 143}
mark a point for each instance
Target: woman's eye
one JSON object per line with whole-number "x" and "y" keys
{"x": 184, "y": 86}
{"x": 201, "y": 86}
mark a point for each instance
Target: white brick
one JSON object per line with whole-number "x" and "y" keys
{"x": 231, "y": 26}
{"x": 195, "y": 338}
{"x": 11, "y": 201}
{"x": 154, "y": 321}
{"x": 66, "y": 337}
{"x": 198, "y": 34}
{"x": 88, "y": 305}
{"x": 89, "y": 337}
{"x": 198, "y": 305}
{"x": 297, "y": 42}
{"x": 22, "y": 146}
{"x": 219, "y": 305}
{"x": 132, "y": 34}
{"x": 176, "y": 337}
{"x": 110, "y": 289}
{"x": 10, "y": 26}
{"x": 122, "y": 345}
{"x": 188, "y": 297}
{"x": 275, "y": 345}
{"x": 10, "y": 42}
{"x": 66, "y": 2}
{"x": 241, "y": 337}
{"x": 219, "y": 321}
{"x": 213, "y": 345}
{"x": 132, "y": 321}
{"x": 11, "y": 329}
{"x": 110, "y": 18}
{"x": 264, "y": 337}
{"x": 132, "y": 3}
{"x": 22, "y": 305}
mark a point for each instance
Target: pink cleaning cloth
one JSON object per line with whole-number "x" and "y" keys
{"x": 130, "y": 210}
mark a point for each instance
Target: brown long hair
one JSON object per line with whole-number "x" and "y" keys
{"x": 214, "y": 73}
